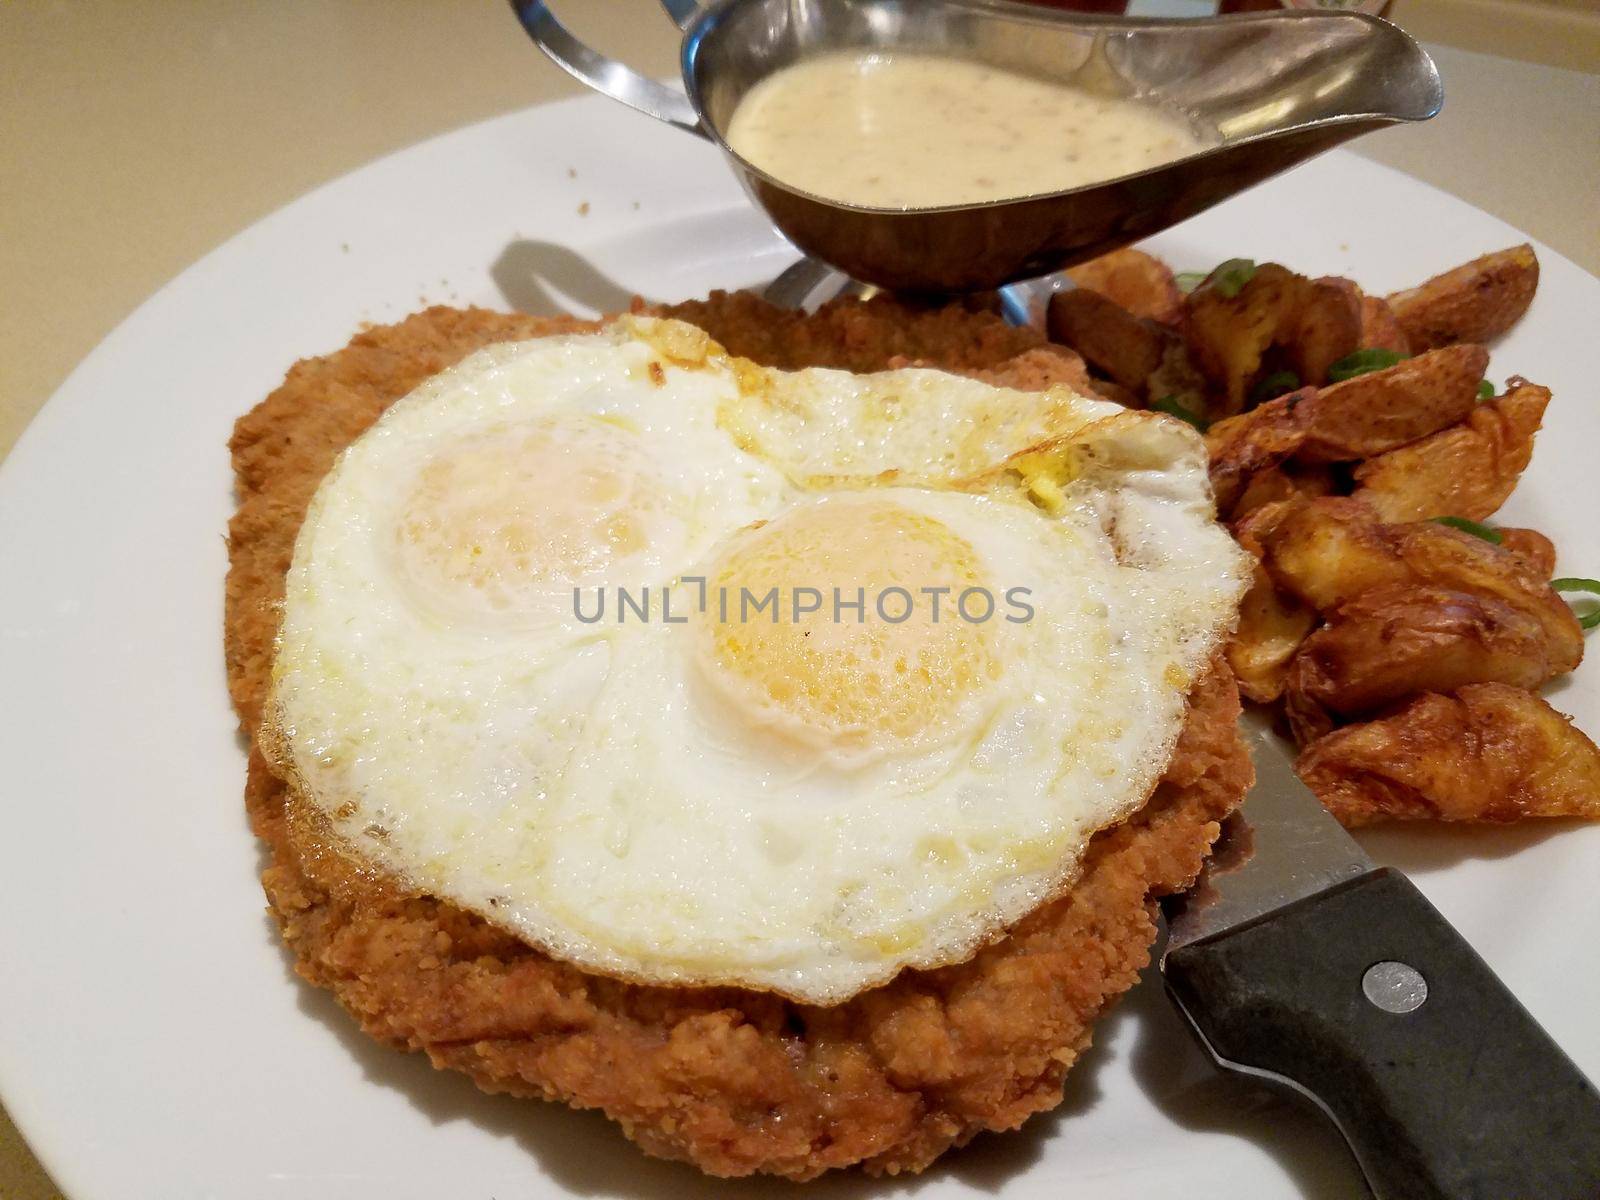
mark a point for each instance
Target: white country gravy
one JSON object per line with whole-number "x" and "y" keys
{"x": 920, "y": 131}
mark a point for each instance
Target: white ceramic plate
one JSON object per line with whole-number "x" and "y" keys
{"x": 153, "y": 1043}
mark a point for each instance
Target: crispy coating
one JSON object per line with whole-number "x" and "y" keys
{"x": 1382, "y": 410}
{"x": 734, "y": 1081}
{"x": 1490, "y": 752}
{"x": 1139, "y": 282}
{"x": 1467, "y": 470}
{"x": 871, "y": 336}
{"x": 1475, "y": 302}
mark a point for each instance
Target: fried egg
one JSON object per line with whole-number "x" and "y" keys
{"x": 691, "y": 672}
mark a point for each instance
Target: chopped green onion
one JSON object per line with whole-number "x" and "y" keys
{"x": 1187, "y": 281}
{"x": 1170, "y": 406}
{"x": 1229, "y": 278}
{"x": 1487, "y": 533}
{"x": 1362, "y": 362}
{"x": 1485, "y": 390}
{"x": 1272, "y": 386}
{"x": 1591, "y": 618}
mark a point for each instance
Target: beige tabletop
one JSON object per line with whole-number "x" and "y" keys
{"x": 138, "y": 136}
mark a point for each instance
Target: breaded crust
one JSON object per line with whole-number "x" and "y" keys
{"x": 736, "y": 1082}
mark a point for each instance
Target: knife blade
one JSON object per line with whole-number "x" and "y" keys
{"x": 1311, "y": 967}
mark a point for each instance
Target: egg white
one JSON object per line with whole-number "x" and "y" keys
{"x": 602, "y": 789}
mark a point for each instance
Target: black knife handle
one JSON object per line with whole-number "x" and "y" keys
{"x": 1462, "y": 1096}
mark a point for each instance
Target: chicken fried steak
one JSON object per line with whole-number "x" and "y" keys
{"x": 734, "y": 1081}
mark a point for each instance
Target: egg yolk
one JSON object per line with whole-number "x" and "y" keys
{"x": 837, "y": 675}
{"x": 507, "y": 516}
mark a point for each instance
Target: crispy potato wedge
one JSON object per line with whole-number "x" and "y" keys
{"x": 1475, "y": 302}
{"x": 1536, "y": 551}
{"x": 1109, "y": 337}
{"x": 1382, "y": 410}
{"x": 1327, "y": 327}
{"x": 1227, "y": 335}
{"x": 1178, "y": 378}
{"x": 1308, "y": 720}
{"x": 1393, "y": 642}
{"x": 1332, "y": 551}
{"x": 1467, "y": 470}
{"x": 1271, "y": 628}
{"x": 1380, "y": 330}
{"x": 1280, "y": 483}
{"x": 1490, "y": 752}
{"x": 1258, "y": 529}
{"x": 1139, "y": 282}
{"x": 1327, "y": 551}
{"x": 1242, "y": 445}
{"x": 1115, "y": 393}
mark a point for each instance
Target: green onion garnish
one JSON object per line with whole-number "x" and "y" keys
{"x": 1187, "y": 281}
{"x": 1488, "y": 534}
{"x": 1363, "y": 362}
{"x": 1229, "y": 278}
{"x": 1591, "y": 618}
{"x": 1272, "y": 386}
{"x": 1170, "y": 406}
{"x": 1485, "y": 390}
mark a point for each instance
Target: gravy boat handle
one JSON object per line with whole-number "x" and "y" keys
{"x": 607, "y": 75}
{"x": 683, "y": 12}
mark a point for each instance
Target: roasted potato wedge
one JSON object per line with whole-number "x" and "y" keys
{"x": 1382, "y": 410}
{"x": 1332, "y": 551}
{"x": 1327, "y": 551}
{"x": 1228, "y": 335}
{"x": 1490, "y": 752}
{"x": 1271, "y": 628}
{"x": 1113, "y": 392}
{"x": 1379, "y": 328}
{"x": 1110, "y": 338}
{"x": 1242, "y": 445}
{"x": 1308, "y": 720}
{"x": 1285, "y": 482}
{"x": 1139, "y": 282}
{"x": 1326, "y": 329}
{"x": 1178, "y": 379}
{"x": 1535, "y": 550}
{"x": 1467, "y": 470}
{"x": 1393, "y": 642}
{"x": 1475, "y": 302}
{"x": 1256, "y": 530}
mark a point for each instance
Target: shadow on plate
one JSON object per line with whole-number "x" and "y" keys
{"x": 526, "y": 271}
{"x": 1422, "y": 846}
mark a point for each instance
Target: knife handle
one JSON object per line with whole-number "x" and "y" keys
{"x": 1445, "y": 1092}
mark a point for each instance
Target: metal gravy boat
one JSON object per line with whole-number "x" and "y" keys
{"x": 1274, "y": 88}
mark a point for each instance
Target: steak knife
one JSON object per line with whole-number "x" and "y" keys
{"x": 1313, "y": 968}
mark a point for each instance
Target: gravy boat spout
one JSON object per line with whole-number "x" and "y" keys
{"x": 1270, "y": 89}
